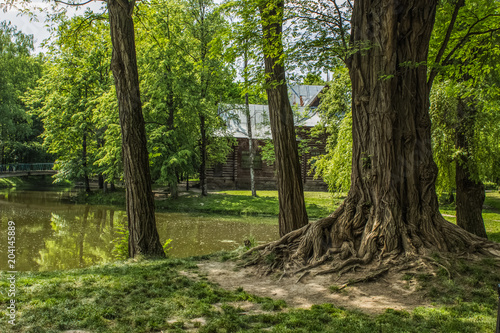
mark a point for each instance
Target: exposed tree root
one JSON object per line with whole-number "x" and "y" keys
{"x": 358, "y": 236}
{"x": 365, "y": 278}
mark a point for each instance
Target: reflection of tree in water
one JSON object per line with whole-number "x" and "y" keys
{"x": 79, "y": 241}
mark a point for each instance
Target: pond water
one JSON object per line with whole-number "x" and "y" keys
{"x": 52, "y": 234}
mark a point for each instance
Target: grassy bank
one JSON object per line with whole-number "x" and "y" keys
{"x": 171, "y": 295}
{"x": 318, "y": 204}
{"x": 11, "y": 182}
{"x": 31, "y": 182}
{"x": 491, "y": 214}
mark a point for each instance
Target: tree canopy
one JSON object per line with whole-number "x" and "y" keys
{"x": 19, "y": 70}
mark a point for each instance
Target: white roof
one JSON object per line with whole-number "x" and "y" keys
{"x": 306, "y": 94}
{"x": 259, "y": 114}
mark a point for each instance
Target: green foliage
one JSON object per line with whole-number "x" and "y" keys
{"x": 120, "y": 243}
{"x": 183, "y": 79}
{"x": 467, "y": 71}
{"x": 313, "y": 79}
{"x": 443, "y": 116}
{"x": 75, "y": 100}
{"x": 336, "y": 123}
{"x": 19, "y": 71}
{"x": 482, "y": 157}
{"x": 319, "y": 35}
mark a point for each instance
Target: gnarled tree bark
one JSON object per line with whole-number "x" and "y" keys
{"x": 143, "y": 235}
{"x": 391, "y": 210}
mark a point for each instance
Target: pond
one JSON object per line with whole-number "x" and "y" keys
{"x": 52, "y": 234}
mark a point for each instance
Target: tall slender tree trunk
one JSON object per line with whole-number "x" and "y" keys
{"x": 203, "y": 151}
{"x": 100, "y": 181}
{"x": 292, "y": 208}
{"x": 83, "y": 230}
{"x": 84, "y": 162}
{"x": 250, "y": 147}
{"x": 470, "y": 191}
{"x": 249, "y": 126}
{"x": 143, "y": 235}
{"x": 2, "y": 153}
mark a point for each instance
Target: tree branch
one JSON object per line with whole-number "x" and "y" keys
{"x": 440, "y": 54}
{"x": 74, "y": 4}
{"x": 341, "y": 26}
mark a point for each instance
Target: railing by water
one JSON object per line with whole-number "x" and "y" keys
{"x": 25, "y": 167}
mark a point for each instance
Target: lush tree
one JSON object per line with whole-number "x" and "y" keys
{"x": 318, "y": 37}
{"x": 336, "y": 124}
{"x": 185, "y": 80}
{"x": 68, "y": 99}
{"x": 466, "y": 61}
{"x": 244, "y": 41}
{"x": 212, "y": 82}
{"x": 167, "y": 78}
{"x": 19, "y": 71}
{"x": 143, "y": 236}
{"x": 391, "y": 211}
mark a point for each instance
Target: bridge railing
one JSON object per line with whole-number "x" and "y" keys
{"x": 23, "y": 167}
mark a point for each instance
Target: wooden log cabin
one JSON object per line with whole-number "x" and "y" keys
{"x": 235, "y": 172}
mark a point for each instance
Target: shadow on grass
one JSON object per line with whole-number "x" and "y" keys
{"x": 494, "y": 236}
{"x": 166, "y": 294}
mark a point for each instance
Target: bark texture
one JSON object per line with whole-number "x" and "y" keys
{"x": 143, "y": 235}
{"x": 292, "y": 208}
{"x": 470, "y": 191}
{"x": 391, "y": 211}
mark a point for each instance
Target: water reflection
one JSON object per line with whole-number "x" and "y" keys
{"x": 52, "y": 234}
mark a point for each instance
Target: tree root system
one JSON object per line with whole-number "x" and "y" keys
{"x": 357, "y": 238}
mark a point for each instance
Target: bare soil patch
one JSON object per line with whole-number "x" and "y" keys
{"x": 389, "y": 291}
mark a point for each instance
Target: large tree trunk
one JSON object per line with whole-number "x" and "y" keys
{"x": 391, "y": 211}
{"x": 292, "y": 208}
{"x": 470, "y": 192}
{"x": 143, "y": 236}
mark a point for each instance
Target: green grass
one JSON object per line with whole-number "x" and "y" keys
{"x": 116, "y": 198}
{"x": 154, "y": 296}
{"x": 318, "y": 204}
{"x": 491, "y": 215}
{"x": 31, "y": 182}
{"x": 11, "y": 182}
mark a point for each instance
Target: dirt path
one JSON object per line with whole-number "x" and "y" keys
{"x": 369, "y": 297}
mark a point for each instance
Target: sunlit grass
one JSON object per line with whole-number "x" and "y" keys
{"x": 10, "y": 182}
{"x": 491, "y": 215}
{"x": 171, "y": 295}
{"x": 318, "y": 204}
